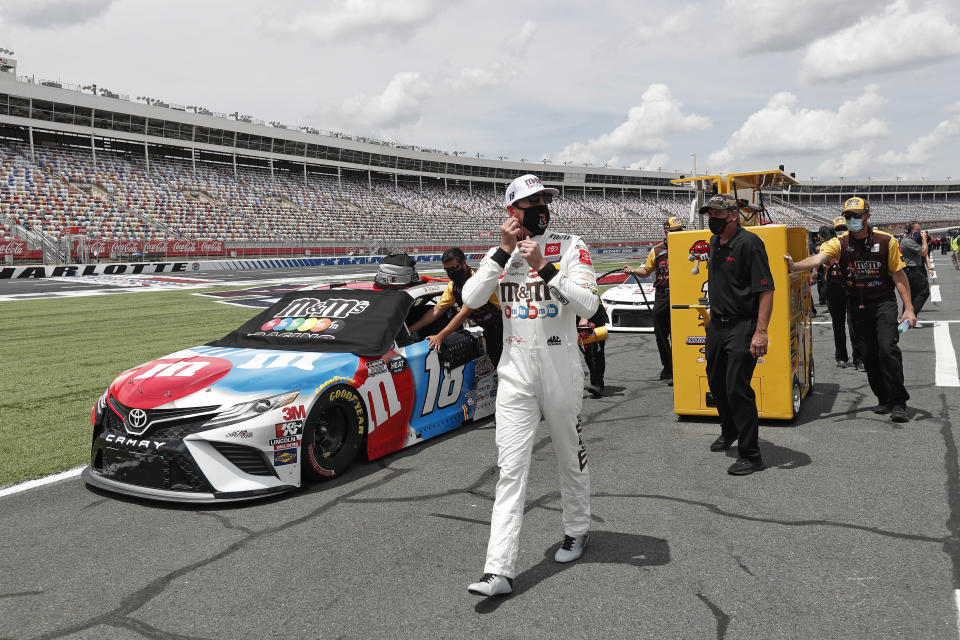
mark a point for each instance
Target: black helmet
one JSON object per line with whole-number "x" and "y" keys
{"x": 397, "y": 271}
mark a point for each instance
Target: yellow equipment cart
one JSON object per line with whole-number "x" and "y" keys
{"x": 785, "y": 375}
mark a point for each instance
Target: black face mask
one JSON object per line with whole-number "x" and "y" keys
{"x": 717, "y": 225}
{"x": 536, "y": 219}
{"x": 458, "y": 276}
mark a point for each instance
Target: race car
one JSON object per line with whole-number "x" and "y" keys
{"x": 629, "y": 303}
{"x": 293, "y": 395}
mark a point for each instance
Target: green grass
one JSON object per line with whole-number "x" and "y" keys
{"x": 59, "y": 355}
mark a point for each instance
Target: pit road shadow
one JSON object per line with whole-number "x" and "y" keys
{"x": 605, "y": 547}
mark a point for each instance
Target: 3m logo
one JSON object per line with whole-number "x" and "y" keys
{"x": 294, "y": 413}
{"x": 552, "y": 249}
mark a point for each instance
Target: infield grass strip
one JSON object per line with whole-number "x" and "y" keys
{"x": 59, "y": 355}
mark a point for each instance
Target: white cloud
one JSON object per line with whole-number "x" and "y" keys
{"x": 518, "y": 43}
{"x": 41, "y": 14}
{"x": 501, "y": 70}
{"x": 653, "y": 163}
{"x": 347, "y": 19}
{"x": 922, "y": 150}
{"x": 658, "y": 115}
{"x": 952, "y": 108}
{"x": 897, "y": 39}
{"x": 680, "y": 22}
{"x": 775, "y": 25}
{"x": 399, "y": 104}
{"x": 783, "y": 127}
{"x": 919, "y": 156}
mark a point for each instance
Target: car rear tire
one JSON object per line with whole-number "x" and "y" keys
{"x": 797, "y": 393}
{"x": 334, "y": 433}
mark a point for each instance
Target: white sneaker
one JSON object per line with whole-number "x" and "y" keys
{"x": 491, "y": 584}
{"x": 571, "y": 548}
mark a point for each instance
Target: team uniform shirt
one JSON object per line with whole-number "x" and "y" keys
{"x": 867, "y": 265}
{"x": 487, "y": 315}
{"x": 539, "y": 313}
{"x": 658, "y": 265}
{"x": 540, "y": 375}
{"x": 738, "y": 271}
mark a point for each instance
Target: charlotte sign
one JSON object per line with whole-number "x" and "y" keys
{"x": 15, "y": 247}
{"x": 106, "y": 247}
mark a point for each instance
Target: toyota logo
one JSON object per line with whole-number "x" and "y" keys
{"x": 137, "y": 418}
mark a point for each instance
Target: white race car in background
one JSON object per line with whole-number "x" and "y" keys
{"x": 629, "y": 303}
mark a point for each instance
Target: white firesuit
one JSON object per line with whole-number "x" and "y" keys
{"x": 540, "y": 375}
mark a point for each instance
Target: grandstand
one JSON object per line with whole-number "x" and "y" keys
{"x": 90, "y": 175}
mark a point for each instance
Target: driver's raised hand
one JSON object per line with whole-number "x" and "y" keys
{"x": 509, "y": 231}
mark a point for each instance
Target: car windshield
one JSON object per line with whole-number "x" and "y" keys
{"x": 364, "y": 322}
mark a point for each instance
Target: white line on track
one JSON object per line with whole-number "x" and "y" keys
{"x": 946, "y": 357}
{"x": 935, "y": 293}
{"x": 39, "y": 482}
{"x": 956, "y": 596}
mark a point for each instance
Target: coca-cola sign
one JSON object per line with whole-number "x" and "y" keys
{"x": 15, "y": 247}
{"x": 155, "y": 246}
{"x": 124, "y": 246}
{"x": 211, "y": 246}
{"x": 183, "y": 246}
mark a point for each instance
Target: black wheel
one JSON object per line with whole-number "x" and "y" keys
{"x": 334, "y": 433}
{"x": 797, "y": 391}
{"x": 811, "y": 377}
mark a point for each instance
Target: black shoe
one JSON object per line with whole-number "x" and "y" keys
{"x": 669, "y": 382}
{"x": 596, "y": 390}
{"x": 859, "y": 367}
{"x": 666, "y": 374}
{"x": 843, "y": 364}
{"x": 719, "y": 444}
{"x": 744, "y": 467}
{"x": 899, "y": 413}
{"x": 882, "y": 409}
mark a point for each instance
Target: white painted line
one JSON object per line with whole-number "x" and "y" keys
{"x": 935, "y": 294}
{"x": 39, "y": 482}
{"x": 947, "y": 375}
{"x": 956, "y": 597}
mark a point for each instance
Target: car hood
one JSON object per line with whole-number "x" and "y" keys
{"x": 206, "y": 375}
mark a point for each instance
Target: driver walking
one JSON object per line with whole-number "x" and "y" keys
{"x": 545, "y": 280}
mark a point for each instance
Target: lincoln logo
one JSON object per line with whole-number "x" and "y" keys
{"x": 137, "y": 418}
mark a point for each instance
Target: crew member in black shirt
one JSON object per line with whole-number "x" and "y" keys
{"x": 740, "y": 288}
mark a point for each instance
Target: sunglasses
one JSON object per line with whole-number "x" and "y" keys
{"x": 848, "y": 214}
{"x": 537, "y": 198}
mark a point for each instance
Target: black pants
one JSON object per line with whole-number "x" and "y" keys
{"x": 919, "y": 287}
{"x": 661, "y": 328}
{"x": 837, "y": 304}
{"x": 875, "y": 327}
{"x": 596, "y": 359}
{"x": 729, "y": 371}
{"x": 493, "y": 337}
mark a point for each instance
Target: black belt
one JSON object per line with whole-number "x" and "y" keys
{"x": 725, "y": 320}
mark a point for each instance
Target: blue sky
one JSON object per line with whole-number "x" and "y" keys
{"x": 860, "y": 88}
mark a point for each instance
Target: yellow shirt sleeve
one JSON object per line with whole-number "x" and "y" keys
{"x": 831, "y": 248}
{"x": 495, "y": 300}
{"x": 446, "y": 300}
{"x": 894, "y": 257}
{"x": 651, "y": 262}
